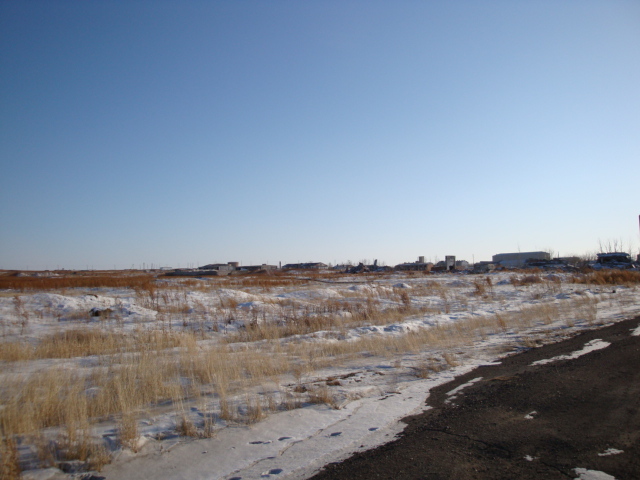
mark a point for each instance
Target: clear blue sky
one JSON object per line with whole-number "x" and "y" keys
{"x": 176, "y": 133}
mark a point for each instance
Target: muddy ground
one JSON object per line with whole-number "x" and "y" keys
{"x": 524, "y": 421}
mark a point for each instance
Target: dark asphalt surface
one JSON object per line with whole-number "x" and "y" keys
{"x": 583, "y": 406}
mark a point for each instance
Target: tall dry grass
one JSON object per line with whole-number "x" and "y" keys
{"x": 330, "y": 315}
{"x": 609, "y": 277}
{"x": 115, "y": 280}
{"x": 85, "y": 341}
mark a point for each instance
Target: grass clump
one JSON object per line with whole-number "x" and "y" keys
{"x": 9, "y": 460}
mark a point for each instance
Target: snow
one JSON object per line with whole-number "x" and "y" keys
{"x": 42, "y": 474}
{"x": 375, "y": 391}
{"x": 458, "y": 389}
{"x": 321, "y": 293}
{"x": 585, "y": 474}
{"x": 70, "y": 306}
{"x": 589, "y": 347}
{"x": 296, "y": 443}
{"x": 610, "y": 451}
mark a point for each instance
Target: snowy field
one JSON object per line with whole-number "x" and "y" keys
{"x": 260, "y": 376}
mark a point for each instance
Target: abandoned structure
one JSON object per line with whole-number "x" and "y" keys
{"x": 220, "y": 269}
{"x": 362, "y": 268}
{"x": 484, "y": 267}
{"x": 217, "y": 269}
{"x": 305, "y": 266}
{"x": 553, "y": 264}
{"x": 614, "y": 260}
{"x": 450, "y": 262}
{"x": 257, "y": 268}
{"x": 419, "y": 266}
{"x": 519, "y": 259}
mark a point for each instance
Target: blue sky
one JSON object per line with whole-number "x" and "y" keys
{"x": 176, "y": 133}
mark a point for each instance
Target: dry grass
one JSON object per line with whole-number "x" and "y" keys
{"x": 186, "y": 427}
{"x": 266, "y": 282}
{"x": 609, "y": 277}
{"x": 85, "y": 341}
{"x": 426, "y": 368}
{"x": 9, "y": 460}
{"x": 525, "y": 280}
{"x": 57, "y": 397}
{"x": 114, "y": 280}
{"x": 480, "y": 288}
{"x": 322, "y": 394}
{"x": 128, "y": 433}
{"x": 331, "y": 315}
{"x": 253, "y": 411}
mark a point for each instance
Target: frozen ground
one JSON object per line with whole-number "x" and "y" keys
{"x": 366, "y": 390}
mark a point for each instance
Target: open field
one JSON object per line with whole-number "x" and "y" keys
{"x": 104, "y": 366}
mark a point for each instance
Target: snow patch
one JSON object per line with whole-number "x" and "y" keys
{"x": 322, "y": 293}
{"x": 585, "y": 474}
{"x": 66, "y": 306}
{"x": 257, "y": 304}
{"x": 610, "y": 451}
{"x": 592, "y": 346}
{"x": 41, "y": 474}
{"x": 237, "y": 295}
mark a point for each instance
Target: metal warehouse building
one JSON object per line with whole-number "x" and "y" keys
{"x": 519, "y": 259}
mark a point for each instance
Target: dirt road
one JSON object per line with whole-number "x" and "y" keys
{"x": 568, "y": 418}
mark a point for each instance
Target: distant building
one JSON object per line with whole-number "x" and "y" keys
{"x": 258, "y": 268}
{"x": 570, "y": 260}
{"x": 614, "y": 260}
{"x": 206, "y": 270}
{"x": 484, "y": 267}
{"x": 450, "y": 262}
{"x": 519, "y": 259}
{"x": 414, "y": 267}
{"x": 614, "y": 257}
{"x": 305, "y": 266}
{"x": 462, "y": 265}
{"x": 221, "y": 268}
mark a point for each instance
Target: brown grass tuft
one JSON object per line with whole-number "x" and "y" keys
{"x": 9, "y": 460}
{"x": 321, "y": 394}
{"x": 128, "y": 431}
